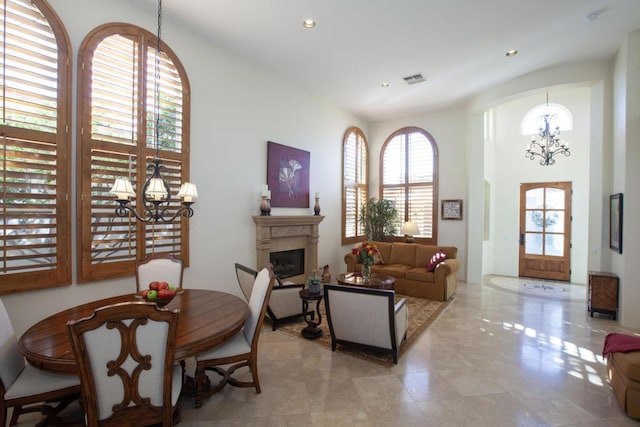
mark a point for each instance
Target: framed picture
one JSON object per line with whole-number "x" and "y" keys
{"x": 288, "y": 176}
{"x": 452, "y": 209}
{"x": 615, "y": 222}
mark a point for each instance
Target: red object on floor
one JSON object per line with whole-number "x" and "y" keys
{"x": 620, "y": 343}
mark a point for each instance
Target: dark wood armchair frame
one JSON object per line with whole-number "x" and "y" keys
{"x": 141, "y": 412}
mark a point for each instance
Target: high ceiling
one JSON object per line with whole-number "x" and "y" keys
{"x": 458, "y": 46}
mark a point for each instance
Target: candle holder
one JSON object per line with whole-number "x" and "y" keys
{"x": 316, "y": 207}
{"x": 268, "y": 206}
{"x": 265, "y": 208}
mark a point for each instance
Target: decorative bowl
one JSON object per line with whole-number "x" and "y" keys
{"x": 160, "y": 302}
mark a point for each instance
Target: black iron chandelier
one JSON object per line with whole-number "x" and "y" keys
{"x": 549, "y": 145}
{"x": 156, "y": 194}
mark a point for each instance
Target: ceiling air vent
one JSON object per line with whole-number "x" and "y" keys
{"x": 416, "y": 78}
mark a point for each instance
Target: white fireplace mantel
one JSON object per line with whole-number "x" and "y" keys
{"x": 283, "y": 233}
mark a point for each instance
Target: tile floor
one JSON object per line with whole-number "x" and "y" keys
{"x": 499, "y": 355}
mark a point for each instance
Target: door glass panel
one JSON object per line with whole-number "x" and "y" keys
{"x": 555, "y": 222}
{"x": 533, "y": 244}
{"x": 554, "y": 244}
{"x": 534, "y": 221}
{"x": 535, "y": 198}
{"x": 555, "y": 198}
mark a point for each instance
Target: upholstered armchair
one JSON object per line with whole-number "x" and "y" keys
{"x": 366, "y": 318}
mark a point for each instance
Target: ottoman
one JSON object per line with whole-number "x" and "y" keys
{"x": 624, "y": 375}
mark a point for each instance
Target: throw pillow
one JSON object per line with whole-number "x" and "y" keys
{"x": 377, "y": 258}
{"x": 436, "y": 259}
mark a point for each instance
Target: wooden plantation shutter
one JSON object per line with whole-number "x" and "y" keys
{"x": 34, "y": 148}
{"x": 355, "y": 188}
{"x": 117, "y": 81}
{"x": 409, "y": 178}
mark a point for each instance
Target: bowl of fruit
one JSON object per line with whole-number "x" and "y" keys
{"x": 160, "y": 293}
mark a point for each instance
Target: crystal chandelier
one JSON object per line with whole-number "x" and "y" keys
{"x": 156, "y": 194}
{"x": 549, "y": 145}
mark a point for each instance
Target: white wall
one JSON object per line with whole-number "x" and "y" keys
{"x": 512, "y": 169}
{"x": 626, "y": 174}
{"x": 236, "y": 108}
{"x": 450, "y": 136}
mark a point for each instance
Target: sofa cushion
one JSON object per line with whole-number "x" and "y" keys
{"x": 394, "y": 270}
{"x": 436, "y": 259}
{"x": 384, "y": 249}
{"x": 403, "y": 253}
{"x": 420, "y": 274}
{"x": 425, "y": 252}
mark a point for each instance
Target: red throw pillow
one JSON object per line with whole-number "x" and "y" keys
{"x": 436, "y": 259}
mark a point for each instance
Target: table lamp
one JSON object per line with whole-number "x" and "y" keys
{"x": 410, "y": 229}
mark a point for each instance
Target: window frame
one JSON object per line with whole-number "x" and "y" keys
{"x": 60, "y": 273}
{"x": 144, "y": 245}
{"x": 361, "y": 140}
{"x": 433, "y": 240}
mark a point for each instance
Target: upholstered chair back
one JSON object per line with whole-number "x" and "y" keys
{"x": 159, "y": 267}
{"x": 125, "y": 359}
{"x": 257, "y": 305}
{"x": 246, "y": 276}
{"x": 11, "y": 361}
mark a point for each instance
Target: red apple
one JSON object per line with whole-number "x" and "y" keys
{"x": 163, "y": 285}
{"x": 163, "y": 293}
{"x": 144, "y": 293}
{"x": 154, "y": 286}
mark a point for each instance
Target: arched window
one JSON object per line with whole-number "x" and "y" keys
{"x": 534, "y": 119}
{"x": 409, "y": 171}
{"x": 116, "y": 115}
{"x": 355, "y": 177}
{"x": 35, "y": 144}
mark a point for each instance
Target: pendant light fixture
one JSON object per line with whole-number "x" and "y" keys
{"x": 156, "y": 194}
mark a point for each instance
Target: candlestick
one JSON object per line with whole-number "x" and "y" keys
{"x": 264, "y": 208}
{"x": 316, "y": 208}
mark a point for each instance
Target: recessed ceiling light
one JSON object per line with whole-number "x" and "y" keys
{"x": 308, "y": 23}
{"x": 512, "y": 52}
{"x": 385, "y": 84}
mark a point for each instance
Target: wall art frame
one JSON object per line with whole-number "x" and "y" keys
{"x": 615, "y": 222}
{"x": 288, "y": 175}
{"x": 451, "y": 209}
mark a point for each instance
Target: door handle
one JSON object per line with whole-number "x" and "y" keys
{"x": 521, "y": 238}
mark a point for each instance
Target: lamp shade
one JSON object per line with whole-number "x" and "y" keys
{"x": 410, "y": 228}
{"x": 122, "y": 189}
{"x": 188, "y": 192}
{"x": 156, "y": 190}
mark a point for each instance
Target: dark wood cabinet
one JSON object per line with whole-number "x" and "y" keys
{"x": 602, "y": 294}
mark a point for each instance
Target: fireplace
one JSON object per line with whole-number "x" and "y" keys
{"x": 282, "y": 234}
{"x": 287, "y": 263}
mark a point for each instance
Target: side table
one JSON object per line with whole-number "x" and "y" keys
{"x": 602, "y": 293}
{"x": 312, "y": 331}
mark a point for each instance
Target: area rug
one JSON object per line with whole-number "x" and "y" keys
{"x": 422, "y": 313}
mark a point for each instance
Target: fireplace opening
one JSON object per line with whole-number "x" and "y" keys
{"x": 287, "y": 263}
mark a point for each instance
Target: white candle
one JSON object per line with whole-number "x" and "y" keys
{"x": 269, "y": 194}
{"x": 265, "y": 190}
{"x": 317, "y": 194}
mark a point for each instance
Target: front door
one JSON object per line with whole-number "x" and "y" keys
{"x": 545, "y": 230}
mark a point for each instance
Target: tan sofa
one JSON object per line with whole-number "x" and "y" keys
{"x": 407, "y": 263}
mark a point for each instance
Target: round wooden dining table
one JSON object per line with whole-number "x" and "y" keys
{"x": 207, "y": 318}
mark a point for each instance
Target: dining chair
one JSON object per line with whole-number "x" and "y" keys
{"x": 159, "y": 267}
{"x": 125, "y": 359}
{"x": 284, "y": 302}
{"x": 240, "y": 350}
{"x": 25, "y": 388}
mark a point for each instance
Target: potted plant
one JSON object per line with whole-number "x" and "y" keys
{"x": 378, "y": 218}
